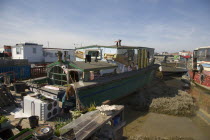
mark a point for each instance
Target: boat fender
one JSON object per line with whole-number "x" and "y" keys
{"x": 202, "y": 78}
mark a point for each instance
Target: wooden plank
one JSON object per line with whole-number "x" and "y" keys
{"x": 89, "y": 123}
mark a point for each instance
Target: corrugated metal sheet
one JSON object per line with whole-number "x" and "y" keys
{"x": 13, "y": 62}
{"x": 20, "y": 72}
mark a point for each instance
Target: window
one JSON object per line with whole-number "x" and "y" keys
{"x": 208, "y": 54}
{"x": 93, "y": 53}
{"x": 34, "y": 50}
{"x": 201, "y": 52}
{"x": 7, "y": 50}
{"x": 130, "y": 55}
{"x": 204, "y": 54}
{"x": 18, "y": 50}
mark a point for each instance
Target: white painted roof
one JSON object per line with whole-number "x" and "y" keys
{"x": 203, "y": 47}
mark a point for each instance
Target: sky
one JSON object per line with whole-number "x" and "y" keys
{"x": 166, "y": 25}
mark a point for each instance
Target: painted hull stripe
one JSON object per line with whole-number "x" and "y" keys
{"x": 101, "y": 91}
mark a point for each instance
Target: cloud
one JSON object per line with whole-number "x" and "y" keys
{"x": 102, "y": 26}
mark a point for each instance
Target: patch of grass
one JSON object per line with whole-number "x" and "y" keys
{"x": 60, "y": 122}
{"x": 3, "y": 119}
{"x": 76, "y": 114}
{"x": 92, "y": 107}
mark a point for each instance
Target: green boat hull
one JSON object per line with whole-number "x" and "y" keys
{"x": 116, "y": 89}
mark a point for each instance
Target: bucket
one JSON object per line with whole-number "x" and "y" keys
{"x": 34, "y": 121}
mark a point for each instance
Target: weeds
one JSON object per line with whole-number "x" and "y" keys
{"x": 3, "y": 119}
{"x": 92, "y": 107}
{"x": 60, "y": 122}
{"x": 76, "y": 114}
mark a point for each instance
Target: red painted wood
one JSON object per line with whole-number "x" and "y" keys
{"x": 206, "y": 81}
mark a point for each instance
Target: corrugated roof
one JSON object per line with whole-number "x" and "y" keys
{"x": 204, "y": 47}
{"x": 57, "y": 49}
{"x": 81, "y": 65}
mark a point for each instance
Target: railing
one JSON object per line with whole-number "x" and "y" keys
{"x": 38, "y": 72}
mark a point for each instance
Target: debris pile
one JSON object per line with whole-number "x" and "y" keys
{"x": 180, "y": 105}
{"x": 6, "y": 98}
{"x": 106, "y": 109}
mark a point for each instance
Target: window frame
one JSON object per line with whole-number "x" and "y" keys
{"x": 34, "y": 51}
{"x": 18, "y": 50}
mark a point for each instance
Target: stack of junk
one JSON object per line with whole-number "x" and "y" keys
{"x": 105, "y": 122}
{"x": 35, "y": 107}
{"x": 32, "y": 103}
{"x": 6, "y": 97}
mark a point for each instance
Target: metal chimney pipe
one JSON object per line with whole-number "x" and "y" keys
{"x": 120, "y": 42}
{"x": 65, "y": 55}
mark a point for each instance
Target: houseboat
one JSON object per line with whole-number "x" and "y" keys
{"x": 172, "y": 64}
{"x": 101, "y": 73}
{"x": 200, "y": 71}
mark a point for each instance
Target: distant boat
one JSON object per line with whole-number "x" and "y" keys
{"x": 200, "y": 71}
{"x": 170, "y": 65}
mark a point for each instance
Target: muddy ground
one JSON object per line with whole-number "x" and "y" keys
{"x": 145, "y": 125}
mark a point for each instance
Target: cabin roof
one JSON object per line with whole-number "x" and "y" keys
{"x": 203, "y": 47}
{"x": 57, "y": 49}
{"x": 27, "y": 44}
{"x": 92, "y": 66}
{"x": 114, "y": 46}
{"x": 81, "y": 65}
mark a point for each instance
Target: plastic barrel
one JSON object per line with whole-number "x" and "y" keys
{"x": 34, "y": 121}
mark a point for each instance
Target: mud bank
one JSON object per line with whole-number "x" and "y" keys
{"x": 145, "y": 125}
